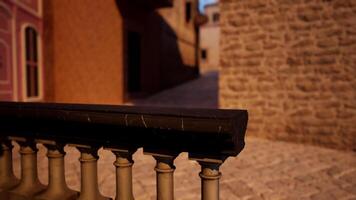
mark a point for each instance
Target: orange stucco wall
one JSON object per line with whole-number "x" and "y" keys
{"x": 86, "y": 54}
{"x": 83, "y": 43}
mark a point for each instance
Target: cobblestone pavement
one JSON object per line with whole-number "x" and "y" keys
{"x": 265, "y": 169}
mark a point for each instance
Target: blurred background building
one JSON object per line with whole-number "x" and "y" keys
{"x": 95, "y": 51}
{"x": 210, "y": 38}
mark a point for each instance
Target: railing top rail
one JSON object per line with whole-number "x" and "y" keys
{"x": 163, "y": 111}
{"x": 197, "y": 131}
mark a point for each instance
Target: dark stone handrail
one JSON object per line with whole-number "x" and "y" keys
{"x": 201, "y": 132}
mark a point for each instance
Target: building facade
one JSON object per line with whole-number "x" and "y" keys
{"x": 21, "y": 66}
{"x": 95, "y": 51}
{"x": 210, "y": 38}
{"x": 292, "y": 64}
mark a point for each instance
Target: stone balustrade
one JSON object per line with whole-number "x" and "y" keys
{"x": 209, "y": 137}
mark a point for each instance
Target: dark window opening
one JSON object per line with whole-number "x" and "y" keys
{"x": 204, "y": 54}
{"x": 216, "y": 17}
{"x": 188, "y": 11}
{"x": 31, "y": 56}
{"x": 1, "y": 61}
{"x": 134, "y": 61}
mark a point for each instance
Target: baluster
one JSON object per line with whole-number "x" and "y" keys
{"x": 89, "y": 174}
{"x": 123, "y": 165}
{"x": 7, "y": 177}
{"x": 57, "y": 187}
{"x": 29, "y": 183}
{"x": 164, "y": 175}
{"x": 210, "y": 176}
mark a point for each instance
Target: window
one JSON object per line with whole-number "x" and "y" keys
{"x": 1, "y": 60}
{"x": 31, "y": 63}
{"x": 204, "y": 54}
{"x": 216, "y": 17}
{"x": 188, "y": 11}
{"x": 3, "y": 70}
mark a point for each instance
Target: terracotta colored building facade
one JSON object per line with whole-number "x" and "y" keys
{"x": 97, "y": 51}
{"x": 292, "y": 64}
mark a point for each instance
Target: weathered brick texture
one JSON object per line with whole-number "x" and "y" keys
{"x": 292, "y": 64}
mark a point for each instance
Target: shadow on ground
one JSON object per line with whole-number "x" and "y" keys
{"x": 198, "y": 93}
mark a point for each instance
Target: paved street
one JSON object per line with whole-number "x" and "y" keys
{"x": 268, "y": 170}
{"x": 202, "y": 92}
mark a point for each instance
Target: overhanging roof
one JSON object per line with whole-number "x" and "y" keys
{"x": 155, "y": 3}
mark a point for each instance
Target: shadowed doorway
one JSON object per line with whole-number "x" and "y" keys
{"x": 134, "y": 61}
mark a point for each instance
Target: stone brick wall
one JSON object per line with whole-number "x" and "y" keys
{"x": 292, "y": 64}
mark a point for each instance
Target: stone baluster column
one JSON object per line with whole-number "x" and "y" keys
{"x": 123, "y": 166}
{"x": 89, "y": 174}
{"x": 57, "y": 188}
{"x": 7, "y": 177}
{"x": 210, "y": 176}
{"x": 164, "y": 175}
{"x": 29, "y": 183}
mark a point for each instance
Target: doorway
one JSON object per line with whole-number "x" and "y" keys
{"x": 134, "y": 61}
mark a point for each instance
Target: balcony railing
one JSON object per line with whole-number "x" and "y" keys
{"x": 209, "y": 137}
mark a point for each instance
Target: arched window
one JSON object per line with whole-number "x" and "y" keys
{"x": 31, "y": 63}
